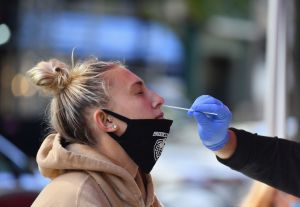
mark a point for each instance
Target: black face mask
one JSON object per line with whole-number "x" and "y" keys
{"x": 143, "y": 139}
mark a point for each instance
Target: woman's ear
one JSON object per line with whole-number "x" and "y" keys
{"x": 104, "y": 122}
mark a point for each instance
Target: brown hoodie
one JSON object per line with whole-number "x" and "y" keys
{"x": 82, "y": 176}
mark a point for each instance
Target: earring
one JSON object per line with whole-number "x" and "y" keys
{"x": 114, "y": 126}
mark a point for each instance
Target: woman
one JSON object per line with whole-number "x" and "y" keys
{"x": 108, "y": 132}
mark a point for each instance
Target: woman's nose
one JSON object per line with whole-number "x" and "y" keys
{"x": 157, "y": 100}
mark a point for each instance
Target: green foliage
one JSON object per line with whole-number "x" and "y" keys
{"x": 200, "y": 10}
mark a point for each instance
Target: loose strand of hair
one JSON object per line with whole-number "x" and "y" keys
{"x": 72, "y": 57}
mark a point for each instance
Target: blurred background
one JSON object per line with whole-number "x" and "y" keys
{"x": 181, "y": 48}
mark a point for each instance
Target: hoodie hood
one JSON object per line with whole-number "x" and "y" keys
{"x": 53, "y": 160}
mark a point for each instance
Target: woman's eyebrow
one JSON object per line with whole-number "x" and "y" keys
{"x": 138, "y": 83}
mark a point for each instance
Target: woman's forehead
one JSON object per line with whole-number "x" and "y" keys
{"x": 123, "y": 76}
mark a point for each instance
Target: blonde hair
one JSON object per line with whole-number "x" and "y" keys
{"x": 74, "y": 90}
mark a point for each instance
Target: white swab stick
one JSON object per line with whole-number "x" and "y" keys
{"x": 185, "y": 109}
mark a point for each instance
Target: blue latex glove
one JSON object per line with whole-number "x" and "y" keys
{"x": 212, "y": 129}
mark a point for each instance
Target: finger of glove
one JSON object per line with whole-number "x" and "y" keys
{"x": 190, "y": 112}
{"x": 211, "y": 108}
{"x": 202, "y": 100}
{"x": 206, "y": 99}
{"x": 201, "y": 118}
{"x": 224, "y": 113}
{"x": 221, "y": 111}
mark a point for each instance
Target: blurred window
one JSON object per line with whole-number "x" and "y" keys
{"x": 4, "y": 166}
{"x": 107, "y": 36}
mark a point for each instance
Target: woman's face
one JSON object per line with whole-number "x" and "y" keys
{"x": 131, "y": 98}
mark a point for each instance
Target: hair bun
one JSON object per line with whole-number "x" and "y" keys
{"x": 52, "y": 75}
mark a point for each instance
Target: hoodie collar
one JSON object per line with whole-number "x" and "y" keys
{"x": 53, "y": 159}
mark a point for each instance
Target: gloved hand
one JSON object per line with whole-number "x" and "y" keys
{"x": 212, "y": 129}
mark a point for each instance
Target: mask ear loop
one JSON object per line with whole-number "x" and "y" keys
{"x": 118, "y": 116}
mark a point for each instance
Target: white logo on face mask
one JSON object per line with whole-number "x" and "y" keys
{"x": 158, "y": 147}
{"x": 160, "y": 134}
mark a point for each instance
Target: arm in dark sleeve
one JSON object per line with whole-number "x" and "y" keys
{"x": 273, "y": 161}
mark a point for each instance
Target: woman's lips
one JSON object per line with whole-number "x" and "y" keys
{"x": 160, "y": 116}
